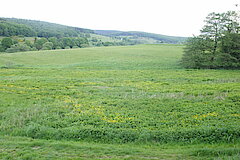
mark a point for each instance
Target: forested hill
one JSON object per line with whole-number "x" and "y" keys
{"x": 141, "y": 35}
{"x": 31, "y": 28}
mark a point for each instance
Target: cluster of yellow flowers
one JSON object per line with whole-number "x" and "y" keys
{"x": 17, "y": 87}
{"x": 235, "y": 115}
{"x": 199, "y": 117}
{"x": 92, "y": 110}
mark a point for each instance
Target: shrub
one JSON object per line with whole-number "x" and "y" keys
{"x": 18, "y": 48}
{"x": 47, "y": 46}
{"x": 75, "y": 47}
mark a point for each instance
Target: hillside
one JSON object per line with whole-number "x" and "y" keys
{"x": 40, "y": 28}
{"x": 141, "y": 36}
{"x": 32, "y": 28}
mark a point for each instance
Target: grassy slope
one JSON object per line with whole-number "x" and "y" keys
{"x": 147, "y": 38}
{"x": 116, "y": 94}
{"x": 109, "y": 58}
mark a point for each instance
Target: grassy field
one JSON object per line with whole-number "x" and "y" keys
{"x": 28, "y": 148}
{"x": 133, "y": 102}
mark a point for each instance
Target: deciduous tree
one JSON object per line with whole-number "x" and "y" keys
{"x": 218, "y": 46}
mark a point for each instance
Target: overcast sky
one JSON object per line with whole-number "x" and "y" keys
{"x": 168, "y": 17}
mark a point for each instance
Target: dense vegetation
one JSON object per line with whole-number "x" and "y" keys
{"x": 21, "y": 44}
{"x": 117, "y": 94}
{"x": 40, "y": 29}
{"x": 219, "y": 44}
{"x": 12, "y": 29}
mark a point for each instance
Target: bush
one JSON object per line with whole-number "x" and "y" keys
{"x": 75, "y": 47}
{"x": 47, "y": 46}
{"x": 7, "y": 42}
{"x": 84, "y": 45}
{"x": 33, "y": 49}
{"x": 39, "y": 43}
{"x": 18, "y": 48}
{"x": 1, "y": 48}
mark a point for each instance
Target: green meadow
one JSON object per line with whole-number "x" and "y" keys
{"x": 131, "y": 102}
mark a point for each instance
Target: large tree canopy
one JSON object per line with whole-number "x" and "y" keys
{"x": 218, "y": 46}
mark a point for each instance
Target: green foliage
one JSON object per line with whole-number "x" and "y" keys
{"x": 1, "y": 48}
{"x": 74, "y": 47}
{"x": 108, "y": 44}
{"x": 6, "y": 42}
{"x": 198, "y": 53}
{"x": 218, "y": 46}
{"x": 18, "y": 48}
{"x": 55, "y": 42}
{"x": 47, "y": 46}
{"x": 45, "y": 29}
{"x": 68, "y": 42}
{"x": 39, "y": 43}
{"x": 231, "y": 46}
{"x": 12, "y": 29}
{"x": 67, "y": 47}
{"x": 117, "y": 95}
{"x": 84, "y": 45}
{"x": 28, "y": 43}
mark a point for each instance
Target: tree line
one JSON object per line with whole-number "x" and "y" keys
{"x": 218, "y": 45}
{"x": 17, "y": 44}
{"x": 21, "y": 43}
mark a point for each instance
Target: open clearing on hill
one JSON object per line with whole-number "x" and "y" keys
{"x": 134, "y": 94}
